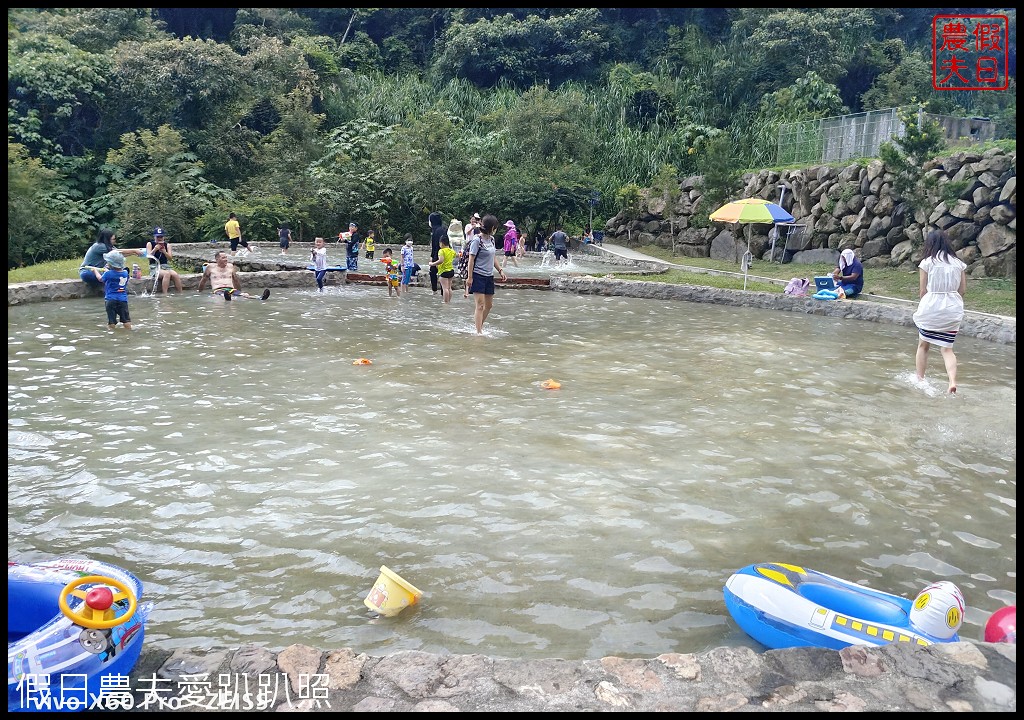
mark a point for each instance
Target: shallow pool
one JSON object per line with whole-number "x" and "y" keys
{"x": 234, "y": 458}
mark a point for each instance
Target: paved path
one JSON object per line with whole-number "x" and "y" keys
{"x": 631, "y": 254}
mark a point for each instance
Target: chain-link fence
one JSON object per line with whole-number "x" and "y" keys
{"x": 837, "y": 138}
{"x": 844, "y": 137}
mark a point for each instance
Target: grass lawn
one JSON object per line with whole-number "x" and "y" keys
{"x": 68, "y": 270}
{"x": 990, "y": 295}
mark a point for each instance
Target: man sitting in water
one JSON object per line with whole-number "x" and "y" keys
{"x": 223, "y": 278}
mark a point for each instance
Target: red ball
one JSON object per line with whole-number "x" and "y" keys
{"x": 1002, "y": 626}
{"x": 99, "y": 598}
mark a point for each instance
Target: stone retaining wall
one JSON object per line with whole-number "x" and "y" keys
{"x": 974, "y": 201}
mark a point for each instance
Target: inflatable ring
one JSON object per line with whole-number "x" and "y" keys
{"x": 362, "y": 361}
{"x": 96, "y": 618}
{"x": 550, "y": 384}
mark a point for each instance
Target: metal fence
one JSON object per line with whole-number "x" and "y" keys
{"x": 837, "y": 138}
{"x": 844, "y": 137}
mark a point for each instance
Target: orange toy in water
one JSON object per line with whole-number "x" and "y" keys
{"x": 362, "y": 361}
{"x": 550, "y": 384}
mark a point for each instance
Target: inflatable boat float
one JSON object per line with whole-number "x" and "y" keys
{"x": 784, "y": 606}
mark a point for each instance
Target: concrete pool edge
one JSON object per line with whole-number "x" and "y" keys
{"x": 959, "y": 677}
{"x": 995, "y": 328}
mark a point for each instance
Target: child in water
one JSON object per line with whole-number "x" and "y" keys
{"x": 115, "y": 290}
{"x": 368, "y": 243}
{"x": 392, "y": 271}
{"x": 445, "y": 265}
{"x": 318, "y": 256}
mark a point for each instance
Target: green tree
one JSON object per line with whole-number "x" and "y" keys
{"x": 94, "y": 30}
{"x": 287, "y": 154}
{"x": 347, "y": 178}
{"x": 721, "y": 177}
{"x": 269, "y": 22}
{"x": 534, "y": 50}
{"x": 548, "y": 127}
{"x": 648, "y": 102}
{"x": 666, "y": 184}
{"x": 153, "y": 180}
{"x": 905, "y": 157}
{"x": 55, "y": 93}
{"x": 32, "y": 221}
{"x": 790, "y": 41}
{"x": 630, "y": 198}
{"x": 556, "y": 198}
{"x": 183, "y": 83}
{"x": 908, "y": 81}
{"x": 809, "y": 98}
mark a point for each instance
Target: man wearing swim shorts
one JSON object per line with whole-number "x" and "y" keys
{"x": 222, "y": 276}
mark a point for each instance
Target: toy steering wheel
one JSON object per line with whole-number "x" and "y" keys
{"x": 95, "y": 612}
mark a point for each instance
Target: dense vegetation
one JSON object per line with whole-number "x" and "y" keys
{"x": 130, "y": 118}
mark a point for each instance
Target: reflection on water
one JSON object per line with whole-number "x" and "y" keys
{"x": 256, "y": 479}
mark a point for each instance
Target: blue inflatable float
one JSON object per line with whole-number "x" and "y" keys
{"x": 71, "y": 625}
{"x": 784, "y": 606}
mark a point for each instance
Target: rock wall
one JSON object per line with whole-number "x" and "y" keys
{"x": 849, "y": 207}
{"x": 946, "y": 677}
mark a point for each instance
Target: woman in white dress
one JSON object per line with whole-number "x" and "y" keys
{"x": 941, "y": 310}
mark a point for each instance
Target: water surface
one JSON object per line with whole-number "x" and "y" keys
{"x": 232, "y": 456}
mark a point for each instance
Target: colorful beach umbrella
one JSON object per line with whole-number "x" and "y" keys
{"x": 751, "y": 210}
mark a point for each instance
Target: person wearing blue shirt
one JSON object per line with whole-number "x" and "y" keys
{"x": 115, "y": 289}
{"x": 850, "y": 273}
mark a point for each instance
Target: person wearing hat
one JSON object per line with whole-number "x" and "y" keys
{"x": 511, "y": 241}
{"x": 115, "y": 289}
{"x": 160, "y": 249}
{"x": 473, "y": 228}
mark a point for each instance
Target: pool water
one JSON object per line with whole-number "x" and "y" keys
{"x": 234, "y": 458}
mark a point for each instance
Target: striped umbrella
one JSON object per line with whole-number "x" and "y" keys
{"x": 750, "y": 210}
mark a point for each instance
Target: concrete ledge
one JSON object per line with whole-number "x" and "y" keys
{"x": 955, "y": 677}
{"x": 995, "y": 328}
{"x": 55, "y": 290}
{"x": 985, "y": 327}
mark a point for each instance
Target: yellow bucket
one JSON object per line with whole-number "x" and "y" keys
{"x": 391, "y": 594}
